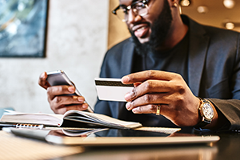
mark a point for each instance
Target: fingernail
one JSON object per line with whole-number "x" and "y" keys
{"x": 134, "y": 110}
{"x": 71, "y": 89}
{"x": 128, "y": 106}
{"x": 80, "y": 99}
{"x": 130, "y": 95}
{"x": 85, "y": 106}
{"x": 127, "y": 96}
{"x": 125, "y": 79}
{"x": 43, "y": 75}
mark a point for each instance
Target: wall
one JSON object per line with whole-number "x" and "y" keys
{"x": 117, "y": 30}
{"x": 76, "y": 43}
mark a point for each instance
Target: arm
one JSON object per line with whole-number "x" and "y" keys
{"x": 229, "y": 107}
{"x": 229, "y": 110}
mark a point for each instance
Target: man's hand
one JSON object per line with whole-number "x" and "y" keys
{"x": 153, "y": 88}
{"x": 58, "y": 99}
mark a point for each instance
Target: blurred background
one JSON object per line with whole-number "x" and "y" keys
{"x": 218, "y": 13}
{"x": 78, "y": 35}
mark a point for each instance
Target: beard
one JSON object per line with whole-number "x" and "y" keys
{"x": 159, "y": 28}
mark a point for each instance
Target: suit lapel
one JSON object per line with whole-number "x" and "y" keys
{"x": 198, "y": 45}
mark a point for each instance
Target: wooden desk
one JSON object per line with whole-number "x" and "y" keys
{"x": 16, "y": 148}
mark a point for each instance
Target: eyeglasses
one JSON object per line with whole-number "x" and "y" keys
{"x": 138, "y": 8}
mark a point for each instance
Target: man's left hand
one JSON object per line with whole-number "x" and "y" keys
{"x": 169, "y": 90}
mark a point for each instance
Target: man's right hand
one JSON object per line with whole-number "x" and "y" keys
{"x": 58, "y": 99}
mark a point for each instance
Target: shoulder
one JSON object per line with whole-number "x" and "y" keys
{"x": 118, "y": 48}
{"x": 212, "y": 32}
{"x": 217, "y": 40}
{"x": 115, "y": 57}
{"x": 221, "y": 33}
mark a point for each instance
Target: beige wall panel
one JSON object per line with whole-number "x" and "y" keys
{"x": 117, "y": 29}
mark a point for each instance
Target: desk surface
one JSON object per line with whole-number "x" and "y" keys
{"x": 227, "y": 148}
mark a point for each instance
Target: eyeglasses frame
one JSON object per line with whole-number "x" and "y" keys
{"x": 145, "y": 2}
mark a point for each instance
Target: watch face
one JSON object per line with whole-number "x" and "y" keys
{"x": 207, "y": 111}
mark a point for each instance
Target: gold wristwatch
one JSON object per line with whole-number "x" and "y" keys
{"x": 206, "y": 112}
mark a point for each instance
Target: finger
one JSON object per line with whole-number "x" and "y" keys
{"x": 151, "y": 109}
{"x": 146, "y": 75}
{"x": 147, "y": 109}
{"x": 64, "y": 109}
{"x": 59, "y": 90}
{"x": 58, "y": 101}
{"x": 147, "y": 99}
{"x": 42, "y": 81}
{"x": 150, "y": 86}
{"x": 65, "y": 101}
{"x": 137, "y": 84}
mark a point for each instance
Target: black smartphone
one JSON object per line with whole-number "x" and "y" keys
{"x": 59, "y": 77}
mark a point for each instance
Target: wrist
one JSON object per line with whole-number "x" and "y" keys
{"x": 207, "y": 112}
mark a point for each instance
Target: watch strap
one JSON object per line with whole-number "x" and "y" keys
{"x": 202, "y": 124}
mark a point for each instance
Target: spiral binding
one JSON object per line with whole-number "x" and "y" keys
{"x": 35, "y": 126}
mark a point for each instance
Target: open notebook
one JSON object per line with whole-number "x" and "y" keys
{"x": 72, "y": 118}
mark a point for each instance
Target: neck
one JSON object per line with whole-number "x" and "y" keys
{"x": 176, "y": 33}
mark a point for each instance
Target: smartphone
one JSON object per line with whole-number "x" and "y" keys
{"x": 59, "y": 77}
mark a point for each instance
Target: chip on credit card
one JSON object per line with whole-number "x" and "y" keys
{"x": 112, "y": 89}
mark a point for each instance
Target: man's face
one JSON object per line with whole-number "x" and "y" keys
{"x": 140, "y": 27}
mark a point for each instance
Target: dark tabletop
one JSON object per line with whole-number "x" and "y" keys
{"x": 227, "y": 148}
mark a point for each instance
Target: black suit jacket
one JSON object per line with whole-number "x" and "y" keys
{"x": 214, "y": 73}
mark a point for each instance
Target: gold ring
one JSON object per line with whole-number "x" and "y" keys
{"x": 158, "y": 109}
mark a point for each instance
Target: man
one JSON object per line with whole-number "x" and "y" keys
{"x": 172, "y": 61}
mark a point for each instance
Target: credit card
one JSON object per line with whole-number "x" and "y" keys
{"x": 112, "y": 89}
